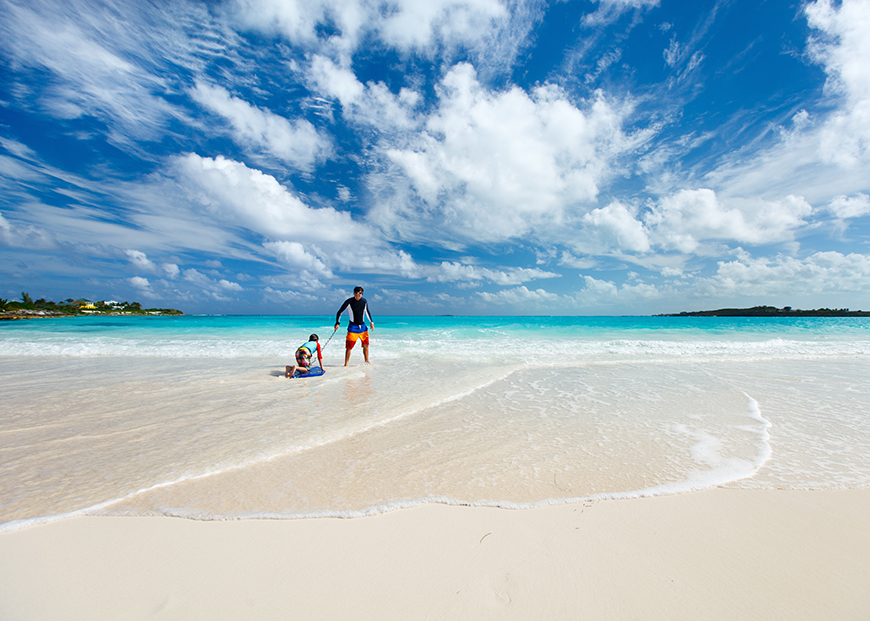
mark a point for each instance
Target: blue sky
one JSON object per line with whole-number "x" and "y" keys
{"x": 452, "y": 156}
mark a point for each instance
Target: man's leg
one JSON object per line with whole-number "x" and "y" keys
{"x": 366, "y": 352}
{"x": 349, "y": 342}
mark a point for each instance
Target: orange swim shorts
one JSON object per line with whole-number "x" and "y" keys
{"x": 356, "y": 333}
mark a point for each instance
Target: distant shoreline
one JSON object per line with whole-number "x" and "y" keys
{"x": 40, "y": 314}
{"x": 771, "y": 311}
{"x": 28, "y": 308}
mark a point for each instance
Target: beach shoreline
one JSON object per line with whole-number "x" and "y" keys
{"x": 712, "y": 554}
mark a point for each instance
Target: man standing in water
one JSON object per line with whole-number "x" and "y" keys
{"x": 356, "y": 329}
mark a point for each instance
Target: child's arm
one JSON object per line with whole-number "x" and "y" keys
{"x": 319, "y": 355}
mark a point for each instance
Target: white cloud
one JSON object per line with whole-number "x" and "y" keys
{"x": 492, "y": 166}
{"x": 294, "y": 255}
{"x": 405, "y": 25}
{"x": 824, "y": 154}
{"x": 610, "y": 10}
{"x": 618, "y": 227}
{"x": 16, "y": 235}
{"x": 520, "y": 297}
{"x": 844, "y": 50}
{"x": 171, "y": 269}
{"x": 298, "y": 20}
{"x": 212, "y": 288}
{"x": 335, "y": 81}
{"x": 324, "y": 238}
{"x": 241, "y": 196}
{"x": 371, "y": 104}
{"x": 845, "y": 207}
{"x": 606, "y": 292}
{"x": 141, "y": 283}
{"x": 295, "y": 142}
{"x": 229, "y": 285}
{"x": 672, "y": 53}
{"x": 103, "y": 66}
{"x": 294, "y": 296}
{"x": 141, "y": 261}
{"x": 684, "y": 220}
{"x": 569, "y": 260}
{"x": 451, "y": 271}
{"x": 418, "y": 25}
{"x": 822, "y": 272}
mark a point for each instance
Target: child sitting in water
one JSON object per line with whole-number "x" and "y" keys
{"x": 303, "y": 357}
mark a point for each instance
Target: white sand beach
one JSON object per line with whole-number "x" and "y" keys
{"x": 714, "y": 554}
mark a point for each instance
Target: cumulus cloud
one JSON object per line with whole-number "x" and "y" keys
{"x": 685, "y": 219}
{"x": 214, "y": 289}
{"x": 289, "y": 295}
{"x": 492, "y": 166}
{"x": 141, "y": 283}
{"x": 296, "y": 142}
{"x": 246, "y": 197}
{"x": 451, "y": 271}
{"x": 371, "y": 104}
{"x": 822, "y": 272}
{"x": 298, "y": 20}
{"x": 845, "y": 207}
{"x": 599, "y": 291}
{"x": 294, "y": 255}
{"x": 617, "y": 226}
{"x": 320, "y": 239}
{"x": 141, "y": 261}
{"x": 408, "y": 25}
{"x": 228, "y": 285}
{"x": 521, "y": 297}
{"x": 417, "y": 25}
{"x": 843, "y": 48}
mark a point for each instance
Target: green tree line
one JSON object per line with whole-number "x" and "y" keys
{"x": 71, "y": 306}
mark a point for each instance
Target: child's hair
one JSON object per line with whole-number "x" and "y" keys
{"x": 313, "y": 337}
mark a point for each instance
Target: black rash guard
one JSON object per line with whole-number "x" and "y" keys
{"x": 359, "y": 311}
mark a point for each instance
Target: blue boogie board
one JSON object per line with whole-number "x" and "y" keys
{"x": 317, "y": 372}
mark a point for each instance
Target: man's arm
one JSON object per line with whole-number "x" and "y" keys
{"x": 366, "y": 313}
{"x": 340, "y": 311}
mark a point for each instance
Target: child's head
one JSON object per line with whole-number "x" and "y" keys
{"x": 313, "y": 337}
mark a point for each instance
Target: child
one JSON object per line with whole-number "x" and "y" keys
{"x": 303, "y": 357}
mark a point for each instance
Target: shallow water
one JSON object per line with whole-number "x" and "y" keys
{"x": 192, "y": 416}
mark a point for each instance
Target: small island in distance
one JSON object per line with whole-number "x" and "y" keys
{"x": 29, "y": 308}
{"x": 771, "y": 311}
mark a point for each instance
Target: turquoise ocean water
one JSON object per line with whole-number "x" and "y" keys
{"x": 191, "y": 416}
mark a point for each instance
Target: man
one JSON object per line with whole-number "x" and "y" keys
{"x": 356, "y": 329}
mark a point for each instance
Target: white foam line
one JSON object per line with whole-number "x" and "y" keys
{"x": 94, "y": 509}
{"x": 732, "y": 470}
{"x": 696, "y": 481}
